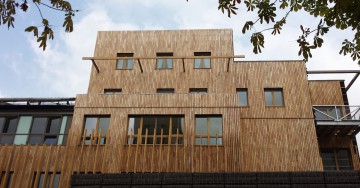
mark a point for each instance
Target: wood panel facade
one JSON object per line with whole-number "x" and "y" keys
{"x": 255, "y": 138}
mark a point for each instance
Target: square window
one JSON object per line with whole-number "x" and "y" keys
{"x": 95, "y": 125}
{"x": 125, "y": 64}
{"x": 208, "y": 130}
{"x": 242, "y": 96}
{"x": 274, "y": 97}
{"x": 203, "y": 62}
{"x": 164, "y": 60}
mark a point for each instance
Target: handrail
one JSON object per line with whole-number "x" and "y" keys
{"x": 335, "y": 112}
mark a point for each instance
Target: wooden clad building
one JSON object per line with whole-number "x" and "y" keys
{"x": 181, "y": 101}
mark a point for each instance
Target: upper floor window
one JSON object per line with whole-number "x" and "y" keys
{"x": 113, "y": 91}
{"x": 165, "y": 90}
{"x": 21, "y": 130}
{"x": 198, "y": 90}
{"x": 202, "y": 63}
{"x": 336, "y": 159}
{"x": 125, "y": 64}
{"x": 274, "y": 97}
{"x": 242, "y": 96}
{"x": 152, "y": 129}
{"x": 164, "y": 61}
{"x": 95, "y": 126}
{"x": 208, "y": 130}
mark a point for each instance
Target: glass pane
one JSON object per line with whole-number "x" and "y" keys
{"x": 131, "y": 126}
{"x": 215, "y": 126}
{"x": 201, "y": 128}
{"x": 90, "y": 125}
{"x": 60, "y": 140}
{"x": 164, "y": 141}
{"x": 173, "y": 140}
{"x": 243, "y": 98}
{"x": 10, "y": 179}
{"x": 320, "y": 116}
{"x": 68, "y": 124}
{"x": 120, "y": 64}
{"x": 214, "y": 141}
{"x": 132, "y": 140}
{"x": 177, "y": 124}
{"x": 41, "y": 180}
{"x": 50, "y": 140}
{"x": 159, "y": 63}
{"x": 342, "y": 154}
{"x": 56, "y": 180}
{"x": 104, "y": 124}
{"x": 54, "y": 125}
{"x": 35, "y": 139}
{"x": 169, "y": 63}
{"x": 11, "y": 125}
{"x": 24, "y": 125}
{"x": 278, "y": 98}
{"x": 207, "y": 63}
{"x": 2, "y": 122}
{"x": 163, "y": 123}
{"x": 129, "y": 64}
{"x": 148, "y": 123}
{"x": 7, "y": 139}
{"x": 268, "y": 98}
{"x": 39, "y": 125}
{"x": 63, "y": 124}
{"x": 197, "y": 63}
{"x": 20, "y": 139}
{"x": 137, "y": 125}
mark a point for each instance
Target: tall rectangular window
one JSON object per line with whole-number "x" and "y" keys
{"x": 93, "y": 126}
{"x": 274, "y": 97}
{"x": 50, "y": 180}
{"x": 202, "y": 63}
{"x": 164, "y": 60}
{"x": 165, "y": 90}
{"x": 242, "y": 96}
{"x": 125, "y": 64}
{"x": 161, "y": 129}
{"x": 9, "y": 127}
{"x": 198, "y": 90}
{"x": 336, "y": 159}
{"x": 113, "y": 91}
{"x": 208, "y": 130}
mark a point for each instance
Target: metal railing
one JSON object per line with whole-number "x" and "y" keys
{"x": 337, "y": 112}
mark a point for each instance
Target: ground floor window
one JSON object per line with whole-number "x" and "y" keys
{"x": 336, "y": 159}
{"x": 156, "y": 129}
{"x": 49, "y": 180}
{"x": 208, "y": 130}
{"x": 95, "y": 126}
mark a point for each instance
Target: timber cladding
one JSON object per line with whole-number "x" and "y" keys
{"x": 326, "y": 92}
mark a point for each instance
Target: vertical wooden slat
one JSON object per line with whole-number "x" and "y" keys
{"x": 137, "y": 147}
{"x": 55, "y": 166}
{"x": 152, "y": 152}
{"x": 3, "y": 158}
{"x": 81, "y": 151}
{"x": 39, "y": 165}
{"x": 47, "y": 166}
{"x": 217, "y": 152}
{"x": 25, "y": 160}
{"x": 8, "y": 166}
{"x": 31, "y": 175}
{"x": 97, "y": 151}
{"x": 168, "y": 150}
{"x": 160, "y": 150}
{"x": 176, "y": 149}
{"x": 106, "y": 152}
{"x": 129, "y": 151}
{"x": 16, "y": 168}
{"x": 88, "y": 152}
{"x": 145, "y": 152}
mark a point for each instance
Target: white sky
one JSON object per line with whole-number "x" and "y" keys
{"x": 27, "y": 71}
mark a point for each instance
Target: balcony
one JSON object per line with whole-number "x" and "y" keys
{"x": 337, "y": 120}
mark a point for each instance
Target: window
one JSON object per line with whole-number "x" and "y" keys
{"x": 166, "y": 62}
{"x": 208, "y": 130}
{"x": 112, "y": 91}
{"x": 125, "y": 64}
{"x": 336, "y": 159}
{"x": 47, "y": 180}
{"x": 202, "y": 63}
{"x": 6, "y": 182}
{"x": 274, "y": 97}
{"x": 243, "y": 96}
{"x": 93, "y": 126}
{"x": 164, "y": 129}
{"x": 198, "y": 90}
{"x": 165, "y": 90}
{"x": 24, "y": 130}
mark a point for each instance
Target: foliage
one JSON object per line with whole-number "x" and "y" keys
{"x": 8, "y": 10}
{"x": 339, "y": 14}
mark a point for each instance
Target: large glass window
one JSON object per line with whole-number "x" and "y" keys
{"x": 208, "y": 130}
{"x": 336, "y": 159}
{"x": 95, "y": 125}
{"x": 274, "y": 97}
{"x": 162, "y": 129}
{"x": 24, "y": 130}
{"x": 242, "y": 96}
{"x": 125, "y": 64}
{"x": 50, "y": 180}
{"x": 164, "y": 61}
{"x": 202, "y": 63}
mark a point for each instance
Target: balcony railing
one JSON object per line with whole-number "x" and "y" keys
{"x": 336, "y": 113}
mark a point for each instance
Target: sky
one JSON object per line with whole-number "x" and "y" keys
{"x": 28, "y": 71}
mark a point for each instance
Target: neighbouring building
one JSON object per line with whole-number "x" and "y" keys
{"x": 180, "y": 101}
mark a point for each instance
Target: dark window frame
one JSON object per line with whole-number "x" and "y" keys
{"x": 165, "y": 90}
{"x": 110, "y": 91}
{"x": 334, "y": 151}
{"x": 273, "y": 98}
{"x": 198, "y": 90}
{"x": 238, "y": 90}
{"x": 208, "y": 136}
{"x": 202, "y": 60}
{"x": 91, "y": 139}
{"x": 165, "y": 56}
{"x": 125, "y": 61}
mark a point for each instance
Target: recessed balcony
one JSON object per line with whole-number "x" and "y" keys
{"x": 337, "y": 120}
